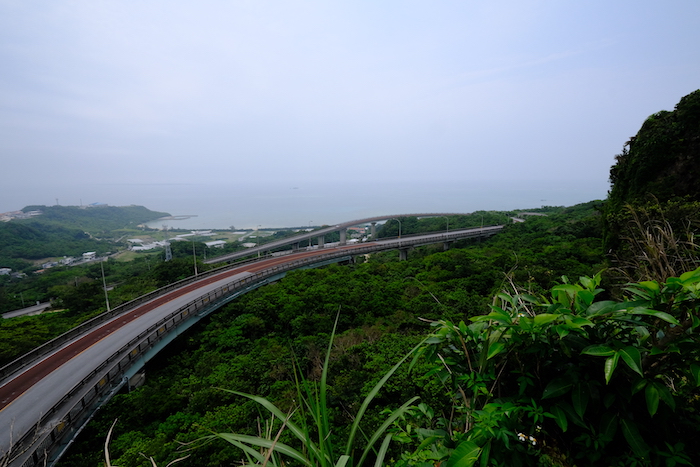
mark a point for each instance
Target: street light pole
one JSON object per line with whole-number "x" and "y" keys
{"x": 448, "y": 223}
{"x": 397, "y": 220}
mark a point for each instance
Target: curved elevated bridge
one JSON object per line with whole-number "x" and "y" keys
{"x": 48, "y": 395}
{"x": 320, "y": 235}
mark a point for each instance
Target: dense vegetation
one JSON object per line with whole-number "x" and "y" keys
{"x": 655, "y": 184}
{"x": 252, "y": 344}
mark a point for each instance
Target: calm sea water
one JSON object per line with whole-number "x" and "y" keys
{"x": 219, "y": 206}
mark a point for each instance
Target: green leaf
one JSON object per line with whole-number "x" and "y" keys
{"x": 500, "y": 316}
{"x": 571, "y": 414}
{"x": 485, "y": 454}
{"x": 495, "y": 349}
{"x": 690, "y": 277}
{"x": 557, "y": 387}
{"x": 463, "y": 327}
{"x": 579, "y": 397}
{"x": 608, "y": 425}
{"x": 544, "y": 318}
{"x": 695, "y": 370}
{"x": 610, "y": 365}
{"x": 598, "y": 351}
{"x": 602, "y": 307}
{"x": 652, "y": 397}
{"x": 464, "y": 455}
{"x": 665, "y": 395}
{"x": 650, "y": 285}
{"x": 380, "y": 455}
{"x": 560, "y": 417}
{"x": 586, "y": 296}
{"x": 634, "y": 439}
{"x": 632, "y": 358}
{"x": 657, "y": 314}
{"x": 385, "y": 426}
{"x": 435, "y": 340}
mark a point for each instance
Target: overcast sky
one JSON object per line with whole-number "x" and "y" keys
{"x": 204, "y": 91}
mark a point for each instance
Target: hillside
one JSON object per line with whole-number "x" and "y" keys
{"x": 653, "y": 208}
{"x": 66, "y": 231}
{"x": 98, "y": 221}
{"x": 663, "y": 159}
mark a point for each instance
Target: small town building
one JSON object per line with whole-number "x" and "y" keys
{"x": 89, "y": 256}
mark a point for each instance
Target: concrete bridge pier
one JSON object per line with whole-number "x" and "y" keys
{"x": 446, "y": 245}
{"x": 343, "y": 236}
{"x": 321, "y": 241}
{"x": 137, "y": 380}
{"x": 295, "y": 246}
{"x": 403, "y": 254}
{"x": 374, "y": 230}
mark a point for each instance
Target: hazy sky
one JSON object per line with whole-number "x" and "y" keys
{"x": 197, "y": 91}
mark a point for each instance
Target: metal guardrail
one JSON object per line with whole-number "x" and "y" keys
{"x": 36, "y": 449}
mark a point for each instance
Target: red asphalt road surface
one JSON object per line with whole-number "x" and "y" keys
{"x": 18, "y": 385}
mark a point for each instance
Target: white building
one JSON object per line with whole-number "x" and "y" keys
{"x": 89, "y": 256}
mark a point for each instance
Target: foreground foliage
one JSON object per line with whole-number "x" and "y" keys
{"x": 567, "y": 380}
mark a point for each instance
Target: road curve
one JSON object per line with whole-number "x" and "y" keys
{"x": 32, "y": 392}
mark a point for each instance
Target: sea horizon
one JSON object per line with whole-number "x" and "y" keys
{"x": 285, "y": 205}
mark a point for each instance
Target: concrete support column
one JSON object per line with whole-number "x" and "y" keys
{"x": 295, "y": 246}
{"x": 343, "y": 236}
{"x": 321, "y": 241}
{"x": 374, "y": 231}
{"x": 446, "y": 246}
{"x": 403, "y": 254}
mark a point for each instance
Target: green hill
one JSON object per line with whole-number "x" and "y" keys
{"x": 97, "y": 221}
{"x": 67, "y": 231}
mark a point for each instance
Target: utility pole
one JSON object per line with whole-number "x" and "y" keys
{"x": 104, "y": 284}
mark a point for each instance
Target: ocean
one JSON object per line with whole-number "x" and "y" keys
{"x": 241, "y": 206}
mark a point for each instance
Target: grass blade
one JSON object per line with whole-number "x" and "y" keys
{"x": 372, "y": 394}
{"x": 267, "y": 443}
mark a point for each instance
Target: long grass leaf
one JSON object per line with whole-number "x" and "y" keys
{"x": 269, "y": 444}
{"x": 382, "y": 451}
{"x": 302, "y": 435}
{"x": 372, "y": 394}
{"x": 247, "y": 450}
{"x": 323, "y": 418}
{"x": 383, "y": 427}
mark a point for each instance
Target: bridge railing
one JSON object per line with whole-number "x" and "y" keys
{"x": 55, "y": 343}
